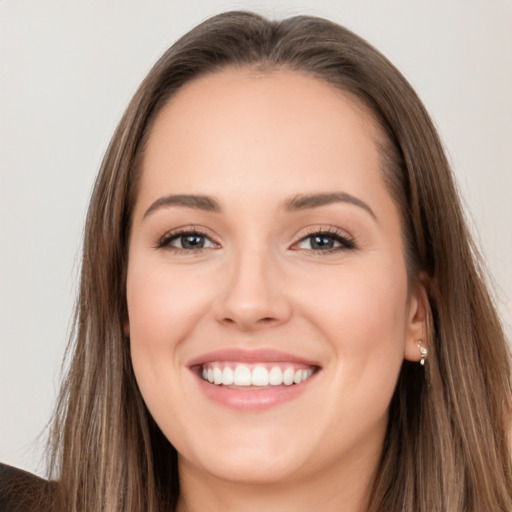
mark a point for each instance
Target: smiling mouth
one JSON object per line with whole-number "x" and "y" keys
{"x": 254, "y": 376}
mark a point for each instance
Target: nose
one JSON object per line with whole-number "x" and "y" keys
{"x": 253, "y": 296}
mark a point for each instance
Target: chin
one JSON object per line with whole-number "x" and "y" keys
{"x": 258, "y": 470}
{"x": 252, "y": 462}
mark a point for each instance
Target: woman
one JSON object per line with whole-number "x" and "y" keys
{"x": 280, "y": 304}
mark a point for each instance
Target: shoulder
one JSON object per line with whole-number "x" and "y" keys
{"x": 21, "y": 491}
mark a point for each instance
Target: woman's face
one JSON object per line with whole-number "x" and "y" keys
{"x": 266, "y": 250}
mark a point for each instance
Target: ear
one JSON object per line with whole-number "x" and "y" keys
{"x": 418, "y": 313}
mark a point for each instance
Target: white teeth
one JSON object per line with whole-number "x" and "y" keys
{"x": 217, "y": 376}
{"x": 288, "y": 376}
{"x": 242, "y": 376}
{"x": 260, "y": 375}
{"x": 275, "y": 376}
{"x": 228, "y": 376}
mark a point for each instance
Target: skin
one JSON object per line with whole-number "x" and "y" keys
{"x": 252, "y": 141}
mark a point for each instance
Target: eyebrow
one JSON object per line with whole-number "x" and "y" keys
{"x": 204, "y": 203}
{"x": 296, "y": 203}
{"x": 306, "y": 201}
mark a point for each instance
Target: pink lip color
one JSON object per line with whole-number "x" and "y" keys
{"x": 250, "y": 399}
{"x": 250, "y": 356}
{"x": 253, "y": 399}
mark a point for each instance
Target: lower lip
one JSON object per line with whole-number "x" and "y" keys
{"x": 253, "y": 399}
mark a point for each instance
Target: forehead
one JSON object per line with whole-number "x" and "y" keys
{"x": 274, "y": 132}
{"x": 292, "y": 96}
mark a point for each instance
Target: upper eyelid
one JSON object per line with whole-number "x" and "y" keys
{"x": 323, "y": 230}
{"x": 163, "y": 240}
{"x": 200, "y": 230}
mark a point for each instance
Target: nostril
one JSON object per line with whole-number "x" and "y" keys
{"x": 251, "y": 324}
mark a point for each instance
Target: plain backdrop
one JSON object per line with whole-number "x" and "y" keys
{"x": 68, "y": 70}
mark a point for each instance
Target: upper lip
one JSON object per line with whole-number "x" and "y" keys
{"x": 250, "y": 356}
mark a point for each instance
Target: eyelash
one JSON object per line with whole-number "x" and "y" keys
{"x": 346, "y": 242}
{"x": 165, "y": 241}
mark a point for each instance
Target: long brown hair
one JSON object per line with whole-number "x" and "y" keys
{"x": 447, "y": 445}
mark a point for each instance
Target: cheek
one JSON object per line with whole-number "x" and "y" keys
{"x": 363, "y": 315}
{"x": 163, "y": 304}
{"x": 362, "y": 308}
{"x": 376, "y": 312}
{"x": 164, "y": 307}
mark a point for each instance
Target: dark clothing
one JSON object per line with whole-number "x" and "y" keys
{"x": 21, "y": 491}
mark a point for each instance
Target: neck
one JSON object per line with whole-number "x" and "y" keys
{"x": 331, "y": 490}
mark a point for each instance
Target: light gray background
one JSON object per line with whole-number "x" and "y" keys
{"x": 68, "y": 70}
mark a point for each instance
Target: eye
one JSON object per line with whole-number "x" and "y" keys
{"x": 325, "y": 241}
{"x": 186, "y": 240}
